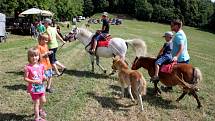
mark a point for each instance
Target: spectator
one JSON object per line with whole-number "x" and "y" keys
{"x": 41, "y": 28}
{"x": 33, "y": 31}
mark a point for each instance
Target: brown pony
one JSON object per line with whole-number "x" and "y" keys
{"x": 132, "y": 79}
{"x": 184, "y": 75}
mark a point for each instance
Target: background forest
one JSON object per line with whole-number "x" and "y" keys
{"x": 197, "y": 13}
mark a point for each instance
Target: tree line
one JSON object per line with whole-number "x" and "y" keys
{"x": 197, "y": 13}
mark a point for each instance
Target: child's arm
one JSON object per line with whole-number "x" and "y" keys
{"x": 44, "y": 55}
{"x": 160, "y": 52}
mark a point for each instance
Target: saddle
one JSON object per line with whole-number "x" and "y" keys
{"x": 103, "y": 42}
{"x": 167, "y": 67}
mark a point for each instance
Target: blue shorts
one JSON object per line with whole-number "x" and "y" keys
{"x": 48, "y": 73}
{"x": 163, "y": 59}
{"x": 101, "y": 36}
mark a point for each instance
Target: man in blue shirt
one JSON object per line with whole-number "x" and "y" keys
{"x": 101, "y": 33}
{"x": 179, "y": 52}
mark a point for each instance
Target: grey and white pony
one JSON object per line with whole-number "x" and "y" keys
{"x": 117, "y": 46}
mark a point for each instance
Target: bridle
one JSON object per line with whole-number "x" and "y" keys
{"x": 71, "y": 34}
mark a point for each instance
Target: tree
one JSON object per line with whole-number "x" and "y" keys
{"x": 100, "y": 5}
{"x": 88, "y": 8}
{"x": 143, "y": 10}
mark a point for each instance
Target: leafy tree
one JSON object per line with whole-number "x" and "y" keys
{"x": 88, "y": 8}
{"x": 143, "y": 10}
{"x": 100, "y": 5}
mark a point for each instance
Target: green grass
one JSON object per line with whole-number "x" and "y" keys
{"x": 81, "y": 95}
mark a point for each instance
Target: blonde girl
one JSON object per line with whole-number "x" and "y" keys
{"x": 34, "y": 75}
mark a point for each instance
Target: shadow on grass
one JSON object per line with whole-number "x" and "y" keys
{"x": 108, "y": 102}
{"x": 158, "y": 100}
{"x": 15, "y": 72}
{"x": 85, "y": 74}
{"x": 16, "y": 87}
{"x": 152, "y": 99}
{"x": 13, "y": 117}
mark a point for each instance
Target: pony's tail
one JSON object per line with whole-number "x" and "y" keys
{"x": 143, "y": 86}
{"x": 139, "y": 46}
{"x": 197, "y": 75}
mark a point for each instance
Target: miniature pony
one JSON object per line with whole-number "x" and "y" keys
{"x": 184, "y": 75}
{"x": 132, "y": 79}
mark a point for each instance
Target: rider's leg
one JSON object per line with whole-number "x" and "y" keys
{"x": 94, "y": 46}
{"x": 95, "y": 39}
{"x": 157, "y": 63}
{"x": 156, "y": 70}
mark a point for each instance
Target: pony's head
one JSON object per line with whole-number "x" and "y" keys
{"x": 118, "y": 63}
{"x": 71, "y": 36}
{"x": 135, "y": 64}
{"x": 78, "y": 33}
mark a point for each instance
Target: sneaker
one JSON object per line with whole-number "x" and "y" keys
{"x": 62, "y": 72}
{"x": 154, "y": 78}
{"x": 43, "y": 114}
{"x": 49, "y": 90}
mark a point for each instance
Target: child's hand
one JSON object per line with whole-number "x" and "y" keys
{"x": 50, "y": 52}
{"x": 38, "y": 81}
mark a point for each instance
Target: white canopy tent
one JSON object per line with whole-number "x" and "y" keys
{"x": 37, "y": 11}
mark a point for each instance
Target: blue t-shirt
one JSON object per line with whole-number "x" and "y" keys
{"x": 180, "y": 39}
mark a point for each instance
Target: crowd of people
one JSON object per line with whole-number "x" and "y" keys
{"x": 112, "y": 21}
{"x": 42, "y": 58}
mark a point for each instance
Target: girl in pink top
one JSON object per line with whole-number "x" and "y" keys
{"x": 34, "y": 75}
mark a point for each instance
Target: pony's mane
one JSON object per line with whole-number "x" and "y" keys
{"x": 146, "y": 58}
{"x": 123, "y": 64}
{"x": 84, "y": 32}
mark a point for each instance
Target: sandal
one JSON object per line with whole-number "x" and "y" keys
{"x": 43, "y": 113}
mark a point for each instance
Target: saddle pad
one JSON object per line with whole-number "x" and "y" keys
{"x": 104, "y": 43}
{"x": 167, "y": 68}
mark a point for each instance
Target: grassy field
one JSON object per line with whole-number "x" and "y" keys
{"x": 82, "y": 96}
